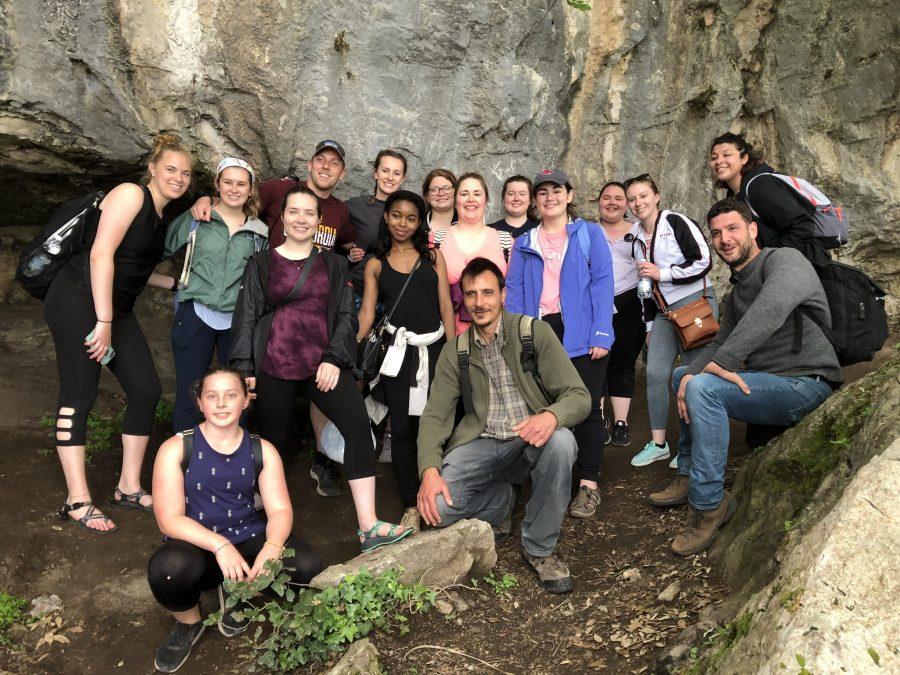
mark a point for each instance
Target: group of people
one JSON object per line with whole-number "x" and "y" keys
{"x": 504, "y": 339}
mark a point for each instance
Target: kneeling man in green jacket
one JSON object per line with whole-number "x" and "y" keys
{"x": 518, "y": 412}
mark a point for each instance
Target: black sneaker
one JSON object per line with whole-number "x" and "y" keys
{"x": 229, "y": 626}
{"x": 177, "y": 647}
{"x": 621, "y": 434}
{"x": 328, "y": 480}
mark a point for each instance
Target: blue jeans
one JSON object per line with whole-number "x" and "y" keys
{"x": 774, "y": 399}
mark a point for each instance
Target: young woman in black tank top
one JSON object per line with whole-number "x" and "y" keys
{"x": 423, "y": 310}
{"x": 95, "y": 294}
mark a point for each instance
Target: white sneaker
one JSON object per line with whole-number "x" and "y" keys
{"x": 674, "y": 463}
{"x": 651, "y": 453}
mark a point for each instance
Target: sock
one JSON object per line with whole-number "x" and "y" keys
{"x": 660, "y": 445}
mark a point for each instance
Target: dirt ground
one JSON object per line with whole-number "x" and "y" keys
{"x": 112, "y": 624}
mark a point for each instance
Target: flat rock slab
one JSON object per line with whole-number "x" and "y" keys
{"x": 434, "y": 558}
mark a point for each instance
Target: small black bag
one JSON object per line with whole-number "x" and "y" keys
{"x": 69, "y": 231}
{"x": 370, "y": 352}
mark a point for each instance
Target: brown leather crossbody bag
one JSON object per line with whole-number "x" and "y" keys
{"x": 695, "y": 323}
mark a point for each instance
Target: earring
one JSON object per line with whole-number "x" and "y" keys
{"x": 284, "y": 231}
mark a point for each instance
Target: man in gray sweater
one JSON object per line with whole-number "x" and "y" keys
{"x": 769, "y": 364}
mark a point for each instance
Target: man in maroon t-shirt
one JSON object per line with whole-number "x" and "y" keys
{"x": 325, "y": 170}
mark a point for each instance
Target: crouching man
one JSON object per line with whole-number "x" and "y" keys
{"x": 520, "y": 393}
{"x": 769, "y": 364}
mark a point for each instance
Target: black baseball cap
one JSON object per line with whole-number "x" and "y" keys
{"x": 555, "y": 176}
{"x": 330, "y": 145}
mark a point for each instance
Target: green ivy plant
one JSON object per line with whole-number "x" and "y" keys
{"x": 295, "y": 625}
{"x": 11, "y": 611}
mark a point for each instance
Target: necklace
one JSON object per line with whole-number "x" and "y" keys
{"x": 401, "y": 250}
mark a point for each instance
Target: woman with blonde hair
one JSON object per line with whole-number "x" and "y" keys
{"x": 90, "y": 311}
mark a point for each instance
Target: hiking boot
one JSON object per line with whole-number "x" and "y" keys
{"x": 585, "y": 503}
{"x": 384, "y": 457}
{"x": 651, "y": 453}
{"x": 411, "y": 519}
{"x": 325, "y": 472}
{"x": 177, "y": 647}
{"x": 702, "y": 527}
{"x": 674, "y": 463}
{"x": 229, "y": 625}
{"x": 553, "y": 573}
{"x": 621, "y": 434}
{"x": 674, "y": 495}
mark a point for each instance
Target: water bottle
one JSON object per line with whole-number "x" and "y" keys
{"x": 645, "y": 285}
{"x": 36, "y": 264}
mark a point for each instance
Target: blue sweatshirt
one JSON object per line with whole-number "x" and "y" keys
{"x": 586, "y": 285}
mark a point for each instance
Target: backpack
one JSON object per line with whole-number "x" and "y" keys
{"x": 187, "y": 450}
{"x": 68, "y": 232}
{"x": 831, "y": 224}
{"x": 529, "y": 361}
{"x": 859, "y": 325}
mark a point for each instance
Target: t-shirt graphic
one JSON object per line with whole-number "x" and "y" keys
{"x": 325, "y": 237}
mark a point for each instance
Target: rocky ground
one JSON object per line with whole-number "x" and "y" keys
{"x": 613, "y": 622}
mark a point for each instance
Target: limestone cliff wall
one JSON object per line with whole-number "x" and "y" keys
{"x": 500, "y": 86}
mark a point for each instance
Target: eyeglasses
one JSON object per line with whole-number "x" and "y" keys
{"x": 638, "y": 179}
{"x": 440, "y": 190}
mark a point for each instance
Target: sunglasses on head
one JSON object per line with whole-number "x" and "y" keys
{"x": 638, "y": 179}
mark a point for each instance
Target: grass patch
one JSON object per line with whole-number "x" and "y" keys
{"x": 11, "y": 612}
{"x": 790, "y": 600}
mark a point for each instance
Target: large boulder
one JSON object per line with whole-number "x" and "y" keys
{"x": 361, "y": 658}
{"x": 435, "y": 558}
{"x": 836, "y": 600}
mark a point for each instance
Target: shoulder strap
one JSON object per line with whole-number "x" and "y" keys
{"x": 387, "y": 317}
{"x": 462, "y": 359}
{"x": 304, "y": 275}
{"x": 529, "y": 360}
{"x": 256, "y": 444}
{"x": 187, "y": 448}
{"x": 584, "y": 243}
{"x": 190, "y": 242}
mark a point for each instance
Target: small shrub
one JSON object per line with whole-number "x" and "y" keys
{"x": 11, "y": 612}
{"x": 503, "y": 584}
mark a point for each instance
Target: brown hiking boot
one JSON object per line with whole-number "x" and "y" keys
{"x": 552, "y": 572}
{"x": 702, "y": 527}
{"x": 674, "y": 495}
{"x": 585, "y": 503}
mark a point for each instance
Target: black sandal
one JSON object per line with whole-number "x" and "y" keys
{"x": 130, "y": 501}
{"x": 91, "y": 514}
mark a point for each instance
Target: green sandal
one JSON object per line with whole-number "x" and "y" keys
{"x": 90, "y": 514}
{"x": 372, "y": 540}
{"x": 131, "y": 501}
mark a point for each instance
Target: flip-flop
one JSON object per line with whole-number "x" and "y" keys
{"x": 90, "y": 514}
{"x": 372, "y": 540}
{"x": 130, "y": 501}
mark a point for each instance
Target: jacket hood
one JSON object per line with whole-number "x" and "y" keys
{"x": 753, "y": 173}
{"x": 256, "y": 226}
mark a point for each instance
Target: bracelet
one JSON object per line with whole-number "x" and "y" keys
{"x": 216, "y": 552}
{"x": 102, "y": 321}
{"x": 280, "y": 548}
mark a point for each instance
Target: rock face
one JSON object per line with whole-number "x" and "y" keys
{"x": 501, "y": 87}
{"x": 836, "y": 601}
{"x": 361, "y": 658}
{"x": 435, "y": 558}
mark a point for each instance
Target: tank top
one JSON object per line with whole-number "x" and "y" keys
{"x": 218, "y": 490}
{"x": 139, "y": 252}
{"x": 419, "y": 310}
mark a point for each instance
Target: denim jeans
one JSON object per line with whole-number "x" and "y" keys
{"x": 774, "y": 399}
{"x": 480, "y": 476}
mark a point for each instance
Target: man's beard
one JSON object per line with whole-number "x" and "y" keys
{"x": 746, "y": 249}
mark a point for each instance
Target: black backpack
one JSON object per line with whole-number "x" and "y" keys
{"x": 529, "y": 361}
{"x": 859, "y": 325}
{"x": 187, "y": 449}
{"x": 69, "y": 231}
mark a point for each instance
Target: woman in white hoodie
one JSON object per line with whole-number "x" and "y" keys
{"x": 677, "y": 260}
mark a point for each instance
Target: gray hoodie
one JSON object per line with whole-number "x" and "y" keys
{"x": 757, "y": 326}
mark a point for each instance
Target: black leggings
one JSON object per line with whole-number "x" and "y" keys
{"x": 69, "y": 312}
{"x": 591, "y": 433}
{"x": 343, "y": 405}
{"x": 630, "y": 332}
{"x": 405, "y": 427}
{"x": 179, "y": 571}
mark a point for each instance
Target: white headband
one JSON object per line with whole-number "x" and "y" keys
{"x": 234, "y": 161}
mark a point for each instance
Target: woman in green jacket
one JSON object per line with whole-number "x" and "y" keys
{"x": 216, "y": 252}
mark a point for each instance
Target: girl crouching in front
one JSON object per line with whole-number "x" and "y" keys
{"x": 203, "y": 501}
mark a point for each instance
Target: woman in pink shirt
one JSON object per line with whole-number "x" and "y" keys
{"x": 469, "y": 238}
